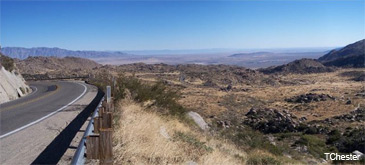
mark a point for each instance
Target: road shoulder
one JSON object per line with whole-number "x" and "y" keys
{"x": 25, "y": 146}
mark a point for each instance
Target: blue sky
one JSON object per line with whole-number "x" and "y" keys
{"x": 149, "y": 25}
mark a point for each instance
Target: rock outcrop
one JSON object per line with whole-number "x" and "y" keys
{"x": 357, "y": 115}
{"x": 12, "y": 84}
{"x": 310, "y": 97}
{"x": 271, "y": 120}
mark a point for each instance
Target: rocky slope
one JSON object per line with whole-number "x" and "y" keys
{"x": 302, "y": 66}
{"x": 12, "y": 84}
{"x": 352, "y": 55}
{"x": 56, "y": 67}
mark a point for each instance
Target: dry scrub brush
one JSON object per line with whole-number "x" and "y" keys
{"x": 142, "y": 136}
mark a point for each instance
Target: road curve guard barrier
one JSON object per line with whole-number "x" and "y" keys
{"x": 96, "y": 142}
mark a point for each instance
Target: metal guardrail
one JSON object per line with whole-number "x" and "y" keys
{"x": 79, "y": 157}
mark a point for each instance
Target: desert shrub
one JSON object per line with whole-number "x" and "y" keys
{"x": 333, "y": 136}
{"x": 282, "y": 136}
{"x": 22, "y": 89}
{"x": 7, "y": 62}
{"x": 191, "y": 140}
{"x": 101, "y": 80}
{"x": 158, "y": 93}
{"x": 261, "y": 160}
{"x": 350, "y": 141}
{"x": 316, "y": 146}
{"x": 253, "y": 139}
{"x": 352, "y": 73}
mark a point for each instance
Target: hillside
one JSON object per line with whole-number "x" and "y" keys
{"x": 352, "y": 55}
{"x": 12, "y": 84}
{"x": 23, "y": 53}
{"x": 302, "y": 66}
{"x": 56, "y": 66}
{"x": 298, "y": 120}
{"x": 209, "y": 75}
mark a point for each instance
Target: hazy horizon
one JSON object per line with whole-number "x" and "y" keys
{"x": 204, "y": 50}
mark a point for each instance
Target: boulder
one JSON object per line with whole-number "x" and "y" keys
{"x": 198, "y": 120}
{"x": 359, "y": 154}
{"x": 271, "y": 120}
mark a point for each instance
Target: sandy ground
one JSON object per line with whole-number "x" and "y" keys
{"x": 24, "y": 146}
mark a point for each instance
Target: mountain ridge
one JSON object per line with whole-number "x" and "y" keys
{"x": 302, "y": 66}
{"x": 23, "y": 53}
{"x": 352, "y": 55}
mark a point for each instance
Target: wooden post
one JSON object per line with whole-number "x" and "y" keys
{"x": 107, "y": 107}
{"x": 106, "y": 146}
{"x": 92, "y": 147}
{"x": 101, "y": 111}
{"x": 104, "y": 103}
{"x": 97, "y": 124}
{"x": 112, "y": 107}
{"x": 107, "y": 120}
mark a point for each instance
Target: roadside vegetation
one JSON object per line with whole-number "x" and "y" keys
{"x": 144, "y": 136}
{"x": 151, "y": 127}
{"x": 7, "y": 62}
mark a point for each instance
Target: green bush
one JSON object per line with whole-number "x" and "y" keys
{"x": 316, "y": 146}
{"x": 7, "y": 62}
{"x": 261, "y": 160}
{"x": 333, "y": 136}
{"x": 157, "y": 92}
{"x": 350, "y": 141}
{"x": 253, "y": 139}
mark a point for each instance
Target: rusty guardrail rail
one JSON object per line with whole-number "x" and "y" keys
{"x": 96, "y": 142}
{"x": 79, "y": 157}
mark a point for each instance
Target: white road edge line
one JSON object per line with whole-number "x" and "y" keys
{"x": 44, "y": 117}
{"x": 36, "y": 90}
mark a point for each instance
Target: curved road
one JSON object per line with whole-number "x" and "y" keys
{"x": 47, "y": 98}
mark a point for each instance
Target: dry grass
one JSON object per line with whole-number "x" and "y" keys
{"x": 210, "y": 101}
{"x": 139, "y": 139}
{"x": 144, "y": 137}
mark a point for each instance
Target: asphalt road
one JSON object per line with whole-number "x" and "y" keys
{"x": 47, "y": 98}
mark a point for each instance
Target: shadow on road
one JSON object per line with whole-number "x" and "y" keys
{"x": 55, "y": 150}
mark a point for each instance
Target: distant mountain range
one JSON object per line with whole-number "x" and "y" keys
{"x": 352, "y": 55}
{"x": 23, "y": 53}
{"x": 349, "y": 56}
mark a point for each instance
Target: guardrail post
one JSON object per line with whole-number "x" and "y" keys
{"x": 108, "y": 94}
{"x": 107, "y": 120}
{"x": 97, "y": 124}
{"x": 106, "y": 146}
{"x": 101, "y": 111}
{"x": 92, "y": 147}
